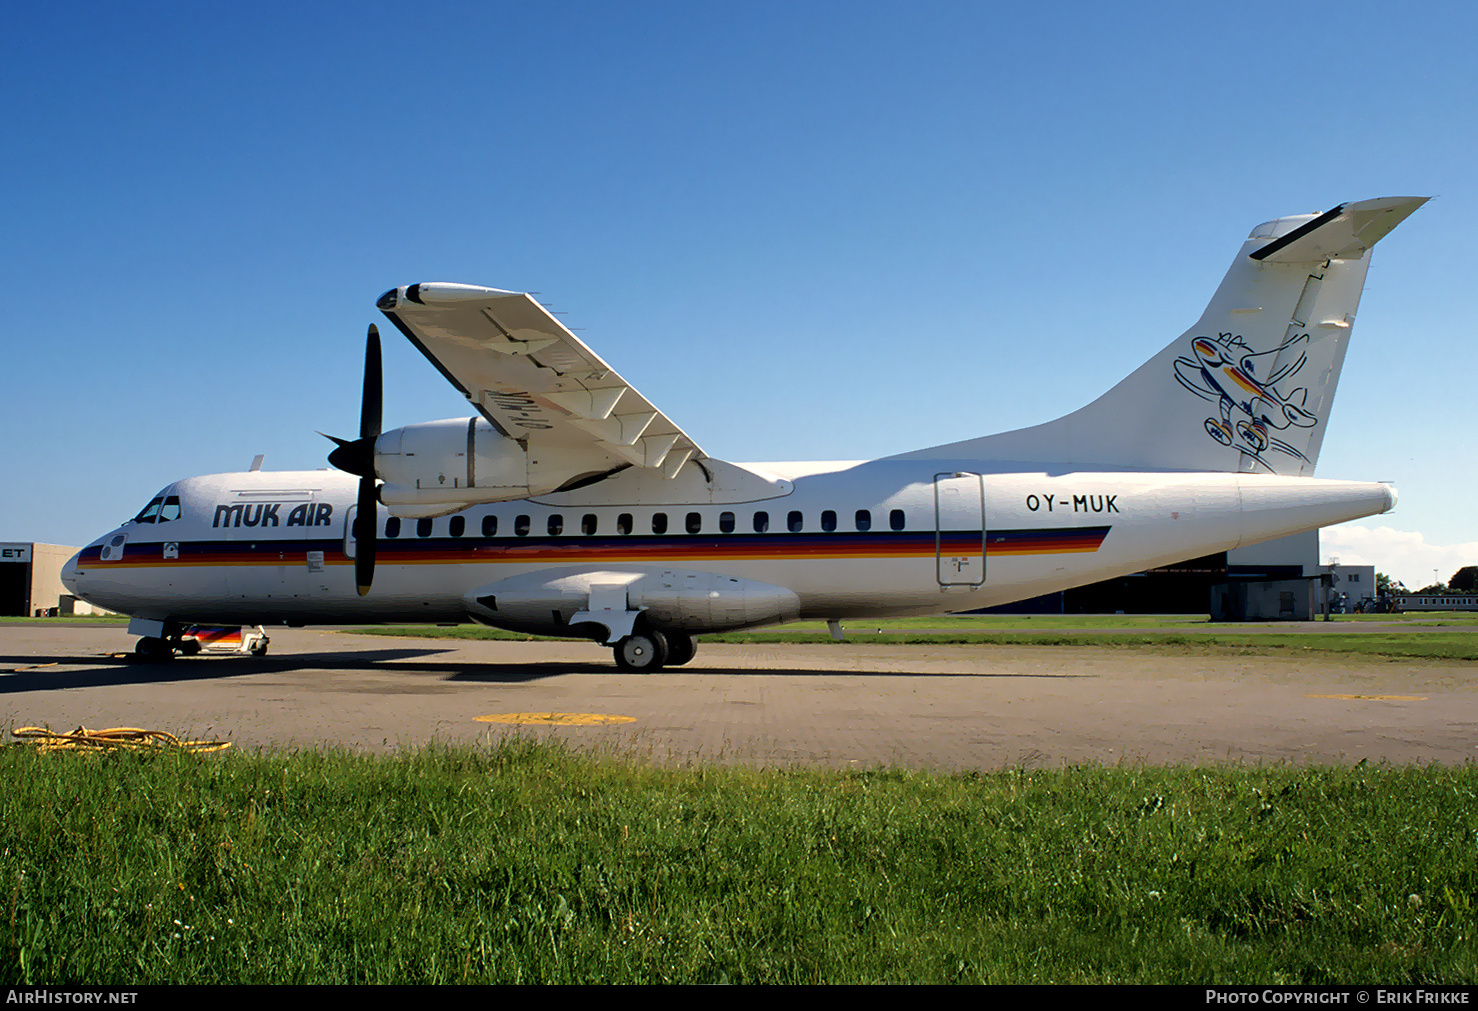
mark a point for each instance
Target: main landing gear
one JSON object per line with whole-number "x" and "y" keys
{"x": 647, "y": 650}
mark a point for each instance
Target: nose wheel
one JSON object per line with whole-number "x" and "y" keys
{"x": 153, "y": 650}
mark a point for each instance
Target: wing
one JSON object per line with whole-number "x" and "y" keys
{"x": 533, "y": 379}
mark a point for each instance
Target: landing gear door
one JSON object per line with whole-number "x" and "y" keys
{"x": 959, "y": 529}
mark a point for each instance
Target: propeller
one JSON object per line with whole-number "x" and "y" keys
{"x": 358, "y": 457}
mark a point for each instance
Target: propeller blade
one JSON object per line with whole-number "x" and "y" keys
{"x": 370, "y": 403}
{"x": 366, "y": 517}
{"x": 358, "y": 457}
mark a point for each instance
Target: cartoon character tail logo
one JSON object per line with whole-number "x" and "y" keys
{"x": 1229, "y": 372}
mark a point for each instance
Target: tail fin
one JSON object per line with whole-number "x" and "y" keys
{"x": 1249, "y": 387}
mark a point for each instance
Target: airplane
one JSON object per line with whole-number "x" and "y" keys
{"x": 569, "y": 505}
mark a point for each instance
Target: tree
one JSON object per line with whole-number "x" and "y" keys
{"x": 1464, "y": 580}
{"x": 1384, "y": 584}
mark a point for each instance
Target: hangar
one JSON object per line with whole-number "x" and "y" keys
{"x": 31, "y": 580}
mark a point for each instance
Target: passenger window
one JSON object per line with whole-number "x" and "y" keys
{"x": 489, "y": 526}
{"x": 457, "y": 526}
{"x": 520, "y": 526}
{"x": 659, "y": 523}
{"x": 556, "y": 524}
{"x": 829, "y": 520}
{"x": 171, "y": 510}
{"x": 726, "y": 522}
{"x": 864, "y": 519}
{"x": 695, "y": 522}
{"x": 588, "y": 524}
{"x": 423, "y": 528}
{"x": 793, "y": 521}
{"x": 761, "y": 523}
{"x": 392, "y": 527}
{"x": 623, "y": 523}
{"x": 895, "y": 519}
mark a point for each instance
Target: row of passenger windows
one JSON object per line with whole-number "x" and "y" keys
{"x": 692, "y": 523}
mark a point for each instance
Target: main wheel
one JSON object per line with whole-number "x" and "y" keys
{"x": 642, "y": 652}
{"x": 681, "y": 648}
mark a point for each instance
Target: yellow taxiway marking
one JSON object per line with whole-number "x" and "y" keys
{"x": 1373, "y": 698}
{"x": 558, "y": 719}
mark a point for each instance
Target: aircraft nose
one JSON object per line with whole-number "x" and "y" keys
{"x": 69, "y": 574}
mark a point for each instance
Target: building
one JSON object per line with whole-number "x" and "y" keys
{"x": 1349, "y": 586}
{"x": 1275, "y": 580}
{"x": 31, "y": 580}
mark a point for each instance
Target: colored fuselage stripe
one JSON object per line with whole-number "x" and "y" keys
{"x": 577, "y": 548}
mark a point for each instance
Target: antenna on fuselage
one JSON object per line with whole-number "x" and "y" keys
{"x": 256, "y": 462}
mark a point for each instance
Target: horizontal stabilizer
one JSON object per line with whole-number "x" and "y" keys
{"x": 1344, "y": 233}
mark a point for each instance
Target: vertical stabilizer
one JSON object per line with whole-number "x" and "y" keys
{"x": 1249, "y": 387}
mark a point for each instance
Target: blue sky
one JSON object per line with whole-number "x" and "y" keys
{"x": 805, "y": 230}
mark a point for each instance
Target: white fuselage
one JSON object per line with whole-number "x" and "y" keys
{"x": 846, "y": 540}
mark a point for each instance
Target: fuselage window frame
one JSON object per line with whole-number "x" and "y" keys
{"x": 659, "y": 523}
{"x": 761, "y": 522}
{"x": 863, "y": 519}
{"x": 795, "y": 521}
{"x": 521, "y": 525}
{"x": 457, "y": 526}
{"x": 490, "y": 525}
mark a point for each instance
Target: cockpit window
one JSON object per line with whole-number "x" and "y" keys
{"x": 170, "y": 510}
{"x": 151, "y": 511}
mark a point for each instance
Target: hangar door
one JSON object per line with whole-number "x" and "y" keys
{"x": 15, "y": 588}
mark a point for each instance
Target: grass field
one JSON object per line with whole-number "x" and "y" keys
{"x": 531, "y": 863}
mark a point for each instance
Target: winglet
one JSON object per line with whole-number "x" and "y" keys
{"x": 1344, "y": 233}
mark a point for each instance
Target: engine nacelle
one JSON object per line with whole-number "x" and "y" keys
{"x": 442, "y": 467}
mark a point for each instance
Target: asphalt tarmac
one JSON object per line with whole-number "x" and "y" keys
{"x": 836, "y": 705}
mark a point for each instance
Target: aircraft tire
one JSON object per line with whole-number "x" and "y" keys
{"x": 681, "y": 647}
{"x": 259, "y": 650}
{"x": 642, "y": 652}
{"x": 150, "y": 648}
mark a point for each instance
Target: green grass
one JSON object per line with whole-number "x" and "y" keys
{"x": 1460, "y": 644}
{"x": 532, "y": 863}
